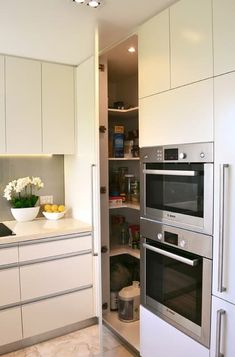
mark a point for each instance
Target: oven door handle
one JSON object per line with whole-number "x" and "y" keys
{"x": 171, "y": 172}
{"x": 191, "y": 262}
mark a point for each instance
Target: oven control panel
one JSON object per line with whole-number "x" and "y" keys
{"x": 171, "y": 238}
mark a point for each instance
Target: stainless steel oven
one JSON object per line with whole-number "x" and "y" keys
{"x": 176, "y": 270}
{"x": 177, "y": 185}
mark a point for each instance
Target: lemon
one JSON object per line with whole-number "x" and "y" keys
{"x": 54, "y": 208}
{"x": 61, "y": 208}
{"x": 47, "y": 208}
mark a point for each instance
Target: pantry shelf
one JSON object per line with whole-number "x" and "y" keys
{"x": 123, "y": 158}
{"x": 124, "y": 249}
{"x": 126, "y": 205}
{"x": 126, "y": 113}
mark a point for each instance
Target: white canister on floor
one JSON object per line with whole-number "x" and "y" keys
{"x": 129, "y": 302}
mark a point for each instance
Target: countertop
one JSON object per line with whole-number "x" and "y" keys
{"x": 43, "y": 228}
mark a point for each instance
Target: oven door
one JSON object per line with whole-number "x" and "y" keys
{"x": 178, "y": 194}
{"x": 176, "y": 285}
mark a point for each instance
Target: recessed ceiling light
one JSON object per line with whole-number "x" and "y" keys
{"x": 93, "y": 3}
{"x": 131, "y": 49}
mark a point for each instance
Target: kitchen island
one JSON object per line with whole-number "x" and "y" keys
{"x": 46, "y": 279}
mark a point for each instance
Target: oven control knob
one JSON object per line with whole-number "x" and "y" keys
{"x": 202, "y": 155}
{"x": 182, "y": 243}
{"x": 182, "y": 155}
{"x": 159, "y": 236}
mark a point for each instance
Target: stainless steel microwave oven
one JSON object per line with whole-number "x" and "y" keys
{"x": 176, "y": 185}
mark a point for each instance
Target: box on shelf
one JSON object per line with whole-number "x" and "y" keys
{"x": 115, "y": 201}
{"x": 118, "y": 145}
{"x": 119, "y": 129}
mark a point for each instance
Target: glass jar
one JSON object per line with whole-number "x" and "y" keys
{"x": 128, "y": 180}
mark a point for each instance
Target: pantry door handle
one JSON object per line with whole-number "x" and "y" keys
{"x": 171, "y": 172}
{"x": 220, "y": 313}
{"x": 221, "y": 288}
{"x": 171, "y": 255}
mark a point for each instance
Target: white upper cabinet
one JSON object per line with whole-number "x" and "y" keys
{"x": 191, "y": 41}
{"x": 58, "y": 108}
{"x": 23, "y": 106}
{"x": 223, "y": 31}
{"x": 153, "y": 49}
{"x": 178, "y": 116}
{"x": 224, "y": 200}
{"x": 2, "y": 107}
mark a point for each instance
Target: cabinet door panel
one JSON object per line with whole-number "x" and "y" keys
{"x": 223, "y": 33}
{"x": 10, "y": 325}
{"x": 153, "y": 50}
{"x": 57, "y": 312}
{"x": 23, "y": 106}
{"x": 178, "y": 116}
{"x": 46, "y": 278}
{"x": 227, "y": 345}
{"x": 58, "y": 108}
{"x": 8, "y": 255}
{"x": 10, "y": 287}
{"x": 180, "y": 344}
{"x": 191, "y": 41}
{"x": 53, "y": 248}
{"x": 2, "y": 107}
{"x": 224, "y": 154}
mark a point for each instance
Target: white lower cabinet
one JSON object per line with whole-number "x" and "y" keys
{"x": 46, "y": 315}
{"x": 10, "y": 286}
{"x": 55, "y": 276}
{"x": 10, "y": 325}
{"x": 158, "y": 338}
{"x": 222, "y": 333}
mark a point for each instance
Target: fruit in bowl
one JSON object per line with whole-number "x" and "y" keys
{"x": 53, "y": 211}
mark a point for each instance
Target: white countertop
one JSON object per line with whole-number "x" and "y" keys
{"x": 43, "y": 228}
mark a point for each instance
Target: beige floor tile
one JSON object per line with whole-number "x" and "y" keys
{"x": 119, "y": 351}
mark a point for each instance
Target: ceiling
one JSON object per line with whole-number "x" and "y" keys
{"x": 63, "y": 31}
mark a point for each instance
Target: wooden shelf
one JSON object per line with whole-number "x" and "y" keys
{"x": 123, "y": 158}
{"x": 127, "y": 331}
{"x": 135, "y": 206}
{"x": 125, "y": 113}
{"x": 124, "y": 249}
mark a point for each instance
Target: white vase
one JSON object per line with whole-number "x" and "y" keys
{"x": 25, "y": 214}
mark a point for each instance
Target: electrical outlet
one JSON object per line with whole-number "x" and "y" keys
{"x": 46, "y": 199}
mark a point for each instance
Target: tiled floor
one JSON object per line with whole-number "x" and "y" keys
{"x": 82, "y": 343}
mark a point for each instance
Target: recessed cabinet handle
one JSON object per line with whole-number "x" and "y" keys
{"x": 220, "y": 313}
{"x": 221, "y": 288}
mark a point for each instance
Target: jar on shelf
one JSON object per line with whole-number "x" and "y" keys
{"x": 128, "y": 180}
{"x": 114, "y": 183}
{"x": 122, "y": 172}
{"x": 135, "y": 191}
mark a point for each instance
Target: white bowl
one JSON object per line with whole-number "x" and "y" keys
{"x": 53, "y": 215}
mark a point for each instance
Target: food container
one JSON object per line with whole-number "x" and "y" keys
{"x": 129, "y": 302}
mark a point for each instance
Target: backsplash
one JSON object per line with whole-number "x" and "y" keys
{"x": 50, "y": 169}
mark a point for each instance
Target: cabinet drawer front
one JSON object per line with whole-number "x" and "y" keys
{"x": 57, "y": 312}
{"x": 10, "y": 287}
{"x": 55, "y": 276}
{"x": 8, "y": 255}
{"x": 52, "y": 248}
{"x": 10, "y": 325}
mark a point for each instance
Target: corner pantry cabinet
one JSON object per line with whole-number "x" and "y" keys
{"x": 36, "y": 107}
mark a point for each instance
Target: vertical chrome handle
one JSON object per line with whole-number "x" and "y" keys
{"x": 220, "y": 313}
{"x": 92, "y": 208}
{"x": 221, "y": 288}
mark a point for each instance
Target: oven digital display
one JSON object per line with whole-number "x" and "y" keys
{"x": 171, "y": 154}
{"x": 171, "y": 238}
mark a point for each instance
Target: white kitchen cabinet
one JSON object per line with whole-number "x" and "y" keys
{"x": 10, "y": 325}
{"x": 8, "y": 255}
{"x": 191, "y": 41}
{"x": 55, "y": 247}
{"x": 58, "y": 108}
{"x": 2, "y": 106}
{"x": 10, "y": 286}
{"x": 223, "y": 33}
{"x": 46, "y": 315}
{"x": 154, "y": 55}
{"x": 178, "y": 116}
{"x": 55, "y": 276}
{"x": 224, "y": 199}
{"x": 23, "y": 106}
{"x": 222, "y": 333}
{"x": 159, "y": 338}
